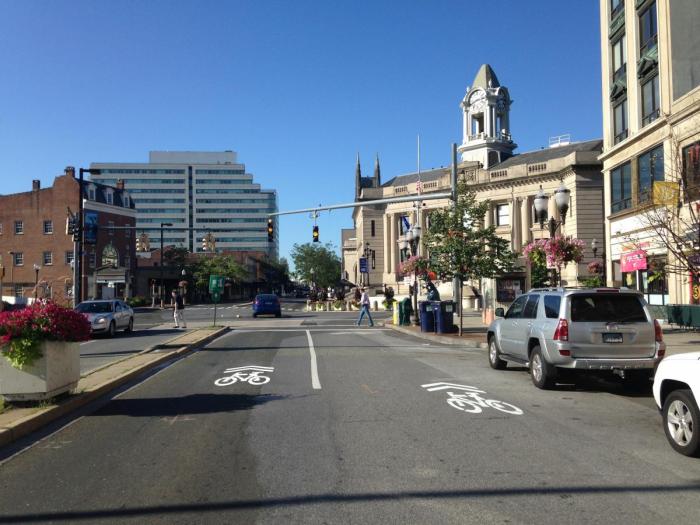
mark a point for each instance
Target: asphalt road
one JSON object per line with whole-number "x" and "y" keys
{"x": 364, "y": 436}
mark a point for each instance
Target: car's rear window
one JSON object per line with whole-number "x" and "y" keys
{"x": 551, "y": 306}
{"x": 609, "y": 308}
{"x": 94, "y": 308}
{"x": 267, "y": 297}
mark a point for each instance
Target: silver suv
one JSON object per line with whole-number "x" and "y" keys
{"x": 583, "y": 329}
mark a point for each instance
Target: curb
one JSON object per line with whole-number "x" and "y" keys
{"x": 35, "y": 421}
{"x": 471, "y": 345}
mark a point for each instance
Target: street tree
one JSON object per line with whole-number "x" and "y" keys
{"x": 459, "y": 244}
{"x": 174, "y": 256}
{"x": 227, "y": 267}
{"x": 316, "y": 263}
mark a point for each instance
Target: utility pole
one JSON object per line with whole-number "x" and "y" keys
{"x": 457, "y": 279}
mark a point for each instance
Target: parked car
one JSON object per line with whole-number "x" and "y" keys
{"x": 586, "y": 329}
{"x": 676, "y": 392}
{"x": 267, "y": 304}
{"x": 107, "y": 316}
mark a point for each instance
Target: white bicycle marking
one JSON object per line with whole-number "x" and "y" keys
{"x": 253, "y": 375}
{"x": 470, "y": 399}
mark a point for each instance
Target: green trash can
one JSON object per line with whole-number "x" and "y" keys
{"x": 407, "y": 310}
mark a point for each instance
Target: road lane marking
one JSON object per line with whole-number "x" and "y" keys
{"x": 470, "y": 399}
{"x": 250, "y": 374}
{"x": 315, "y": 383}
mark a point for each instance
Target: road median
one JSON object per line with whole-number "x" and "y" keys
{"x": 21, "y": 421}
{"x": 473, "y": 340}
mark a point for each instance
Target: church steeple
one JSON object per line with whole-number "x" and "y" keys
{"x": 358, "y": 177}
{"x": 377, "y": 180}
{"x": 486, "y": 120}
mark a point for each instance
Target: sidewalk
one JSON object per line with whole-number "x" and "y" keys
{"x": 17, "y": 422}
{"x": 677, "y": 340}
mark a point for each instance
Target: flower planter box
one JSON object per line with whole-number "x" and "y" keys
{"x": 56, "y": 372}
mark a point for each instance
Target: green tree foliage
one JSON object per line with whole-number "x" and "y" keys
{"x": 277, "y": 273}
{"x": 216, "y": 265}
{"x": 321, "y": 258}
{"x": 175, "y": 256}
{"x": 459, "y": 245}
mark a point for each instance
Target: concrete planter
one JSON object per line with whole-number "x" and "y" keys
{"x": 56, "y": 372}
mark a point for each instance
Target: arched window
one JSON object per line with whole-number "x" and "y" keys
{"x": 110, "y": 256}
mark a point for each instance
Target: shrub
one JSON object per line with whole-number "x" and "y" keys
{"x": 22, "y": 331}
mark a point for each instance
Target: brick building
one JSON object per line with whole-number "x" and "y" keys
{"x": 147, "y": 281}
{"x": 37, "y": 253}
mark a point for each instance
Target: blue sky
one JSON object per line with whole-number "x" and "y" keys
{"x": 297, "y": 88}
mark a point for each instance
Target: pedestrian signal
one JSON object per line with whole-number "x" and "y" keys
{"x": 270, "y": 230}
{"x": 315, "y": 234}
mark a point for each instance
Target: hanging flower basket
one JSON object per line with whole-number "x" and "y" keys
{"x": 557, "y": 251}
{"x": 415, "y": 264}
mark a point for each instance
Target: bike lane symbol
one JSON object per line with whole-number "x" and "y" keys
{"x": 470, "y": 399}
{"x": 252, "y": 375}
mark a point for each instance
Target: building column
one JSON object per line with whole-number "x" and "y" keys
{"x": 525, "y": 215}
{"x": 488, "y": 218}
{"x": 487, "y": 121}
{"x": 515, "y": 229}
{"x": 394, "y": 245}
{"x": 387, "y": 244}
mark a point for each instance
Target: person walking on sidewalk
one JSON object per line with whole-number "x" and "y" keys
{"x": 364, "y": 308}
{"x": 179, "y": 310}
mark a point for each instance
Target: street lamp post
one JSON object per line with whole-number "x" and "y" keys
{"x": 411, "y": 242}
{"x": 561, "y": 197}
{"x": 36, "y": 280}
{"x": 367, "y": 252}
{"x": 162, "y": 291}
{"x": 594, "y": 247}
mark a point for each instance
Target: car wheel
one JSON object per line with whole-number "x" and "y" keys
{"x": 541, "y": 372}
{"x": 130, "y": 327}
{"x": 112, "y": 329}
{"x": 494, "y": 355}
{"x": 681, "y": 417}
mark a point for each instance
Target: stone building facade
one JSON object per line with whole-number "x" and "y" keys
{"x": 651, "y": 117}
{"x": 510, "y": 183}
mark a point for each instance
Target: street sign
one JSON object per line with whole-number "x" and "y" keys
{"x": 216, "y": 296}
{"x": 216, "y": 284}
{"x": 363, "y": 265}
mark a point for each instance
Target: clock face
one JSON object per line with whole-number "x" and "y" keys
{"x": 477, "y": 96}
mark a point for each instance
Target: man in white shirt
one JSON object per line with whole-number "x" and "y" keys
{"x": 364, "y": 308}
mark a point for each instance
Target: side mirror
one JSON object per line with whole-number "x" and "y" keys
{"x": 500, "y": 312}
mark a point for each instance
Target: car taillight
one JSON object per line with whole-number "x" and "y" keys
{"x": 658, "y": 333}
{"x": 562, "y": 331}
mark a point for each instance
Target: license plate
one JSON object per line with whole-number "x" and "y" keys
{"x": 612, "y": 338}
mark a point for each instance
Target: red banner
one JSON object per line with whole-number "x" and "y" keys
{"x": 632, "y": 261}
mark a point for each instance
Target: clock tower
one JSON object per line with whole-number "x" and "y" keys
{"x": 486, "y": 121}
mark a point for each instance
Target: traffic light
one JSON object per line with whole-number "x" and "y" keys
{"x": 315, "y": 234}
{"x": 205, "y": 243}
{"x": 270, "y": 231}
{"x": 70, "y": 225}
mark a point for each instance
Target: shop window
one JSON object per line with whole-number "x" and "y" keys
{"x": 691, "y": 171}
{"x": 621, "y": 185}
{"x": 650, "y": 100}
{"x": 650, "y": 168}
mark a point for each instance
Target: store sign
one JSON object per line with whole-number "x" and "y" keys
{"x": 633, "y": 261}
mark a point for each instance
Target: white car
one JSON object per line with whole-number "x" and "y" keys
{"x": 676, "y": 391}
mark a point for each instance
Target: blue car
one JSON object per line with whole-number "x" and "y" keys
{"x": 267, "y": 303}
